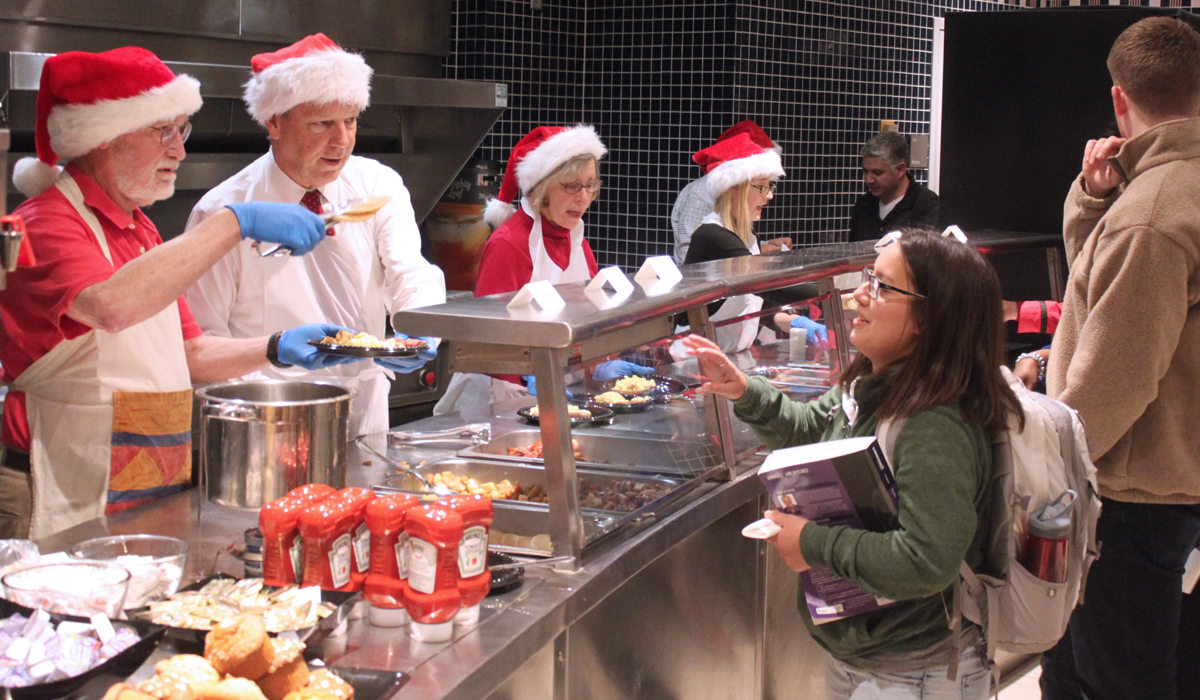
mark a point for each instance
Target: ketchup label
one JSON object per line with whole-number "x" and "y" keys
{"x": 472, "y": 552}
{"x": 403, "y": 551}
{"x": 362, "y": 548}
{"x": 296, "y": 552}
{"x": 422, "y": 566}
{"x": 339, "y": 561}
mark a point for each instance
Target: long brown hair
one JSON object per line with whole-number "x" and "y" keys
{"x": 959, "y": 345}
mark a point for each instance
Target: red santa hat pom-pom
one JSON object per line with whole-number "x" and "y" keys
{"x": 32, "y": 177}
{"x": 497, "y": 212}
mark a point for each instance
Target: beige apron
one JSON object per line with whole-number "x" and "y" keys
{"x": 79, "y": 439}
{"x": 474, "y": 394}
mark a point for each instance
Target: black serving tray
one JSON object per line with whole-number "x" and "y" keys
{"x": 602, "y": 414}
{"x": 100, "y": 677}
{"x": 370, "y": 684}
{"x": 366, "y": 350}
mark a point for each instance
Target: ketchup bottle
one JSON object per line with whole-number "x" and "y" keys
{"x": 474, "y": 580}
{"x": 356, "y": 500}
{"x": 328, "y": 545}
{"x": 431, "y": 593}
{"x": 279, "y": 520}
{"x": 384, "y": 587}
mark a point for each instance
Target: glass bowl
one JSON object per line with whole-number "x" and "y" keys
{"x": 71, "y": 588}
{"x": 155, "y": 563}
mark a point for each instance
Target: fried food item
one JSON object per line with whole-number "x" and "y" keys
{"x": 238, "y": 647}
{"x": 634, "y": 384}
{"x": 323, "y": 685}
{"x": 573, "y": 411}
{"x": 534, "y": 451}
{"x": 366, "y": 340}
{"x": 229, "y": 689}
{"x": 471, "y": 487}
{"x": 177, "y": 678}
{"x": 120, "y": 691}
{"x": 288, "y": 671}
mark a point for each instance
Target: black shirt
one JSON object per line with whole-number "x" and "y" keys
{"x": 917, "y": 209}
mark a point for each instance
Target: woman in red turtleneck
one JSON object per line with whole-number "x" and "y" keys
{"x": 540, "y": 239}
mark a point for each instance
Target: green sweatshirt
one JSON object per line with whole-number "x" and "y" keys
{"x": 943, "y": 466}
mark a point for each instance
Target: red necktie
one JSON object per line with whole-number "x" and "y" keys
{"x": 312, "y": 202}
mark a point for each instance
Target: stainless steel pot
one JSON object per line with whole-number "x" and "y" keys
{"x": 261, "y": 439}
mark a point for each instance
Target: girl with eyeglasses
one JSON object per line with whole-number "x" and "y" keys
{"x": 739, "y": 176}
{"x": 930, "y": 344}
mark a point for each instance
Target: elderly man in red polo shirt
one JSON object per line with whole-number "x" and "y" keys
{"x": 96, "y": 339}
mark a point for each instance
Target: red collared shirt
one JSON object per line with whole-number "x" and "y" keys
{"x": 506, "y": 266}
{"x": 33, "y": 309}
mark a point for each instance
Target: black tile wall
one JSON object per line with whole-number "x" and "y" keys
{"x": 661, "y": 79}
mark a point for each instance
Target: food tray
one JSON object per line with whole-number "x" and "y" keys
{"x": 364, "y": 351}
{"x": 671, "y": 457}
{"x": 528, "y": 520}
{"x": 601, "y": 415}
{"x": 99, "y": 678}
{"x": 664, "y": 385}
{"x": 342, "y": 600}
{"x": 533, "y": 475}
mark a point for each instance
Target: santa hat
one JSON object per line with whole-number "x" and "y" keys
{"x": 88, "y": 99}
{"x": 314, "y": 69}
{"x": 540, "y": 153}
{"x": 754, "y": 131}
{"x": 734, "y": 161}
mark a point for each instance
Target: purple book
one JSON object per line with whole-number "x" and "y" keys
{"x": 839, "y": 482}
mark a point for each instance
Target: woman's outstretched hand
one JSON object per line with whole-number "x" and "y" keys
{"x": 721, "y": 377}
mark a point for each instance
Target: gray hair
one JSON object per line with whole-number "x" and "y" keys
{"x": 890, "y": 146}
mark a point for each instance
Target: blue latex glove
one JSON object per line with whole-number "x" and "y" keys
{"x": 295, "y": 350}
{"x": 815, "y": 330}
{"x": 531, "y": 385}
{"x": 275, "y": 222}
{"x": 404, "y": 365}
{"x": 619, "y": 368}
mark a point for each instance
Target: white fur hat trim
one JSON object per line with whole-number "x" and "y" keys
{"x": 556, "y": 150}
{"x": 32, "y": 177}
{"x": 325, "y": 77}
{"x": 497, "y": 212}
{"x": 76, "y": 129}
{"x": 734, "y": 172}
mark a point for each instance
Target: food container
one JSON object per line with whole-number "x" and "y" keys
{"x": 155, "y": 563}
{"x": 261, "y": 439}
{"x": 71, "y": 588}
{"x": 610, "y": 451}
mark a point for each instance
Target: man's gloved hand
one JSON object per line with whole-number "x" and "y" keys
{"x": 816, "y": 331}
{"x": 274, "y": 222}
{"x": 295, "y": 350}
{"x": 531, "y": 385}
{"x": 404, "y": 365}
{"x": 619, "y": 368}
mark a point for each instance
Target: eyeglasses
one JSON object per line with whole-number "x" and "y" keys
{"x": 766, "y": 190}
{"x": 874, "y": 285}
{"x": 168, "y": 133}
{"x": 592, "y": 187}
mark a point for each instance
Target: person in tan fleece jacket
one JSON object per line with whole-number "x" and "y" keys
{"x": 1127, "y": 356}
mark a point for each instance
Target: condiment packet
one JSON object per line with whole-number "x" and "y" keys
{"x": 38, "y": 622}
{"x": 19, "y": 649}
{"x": 761, "y": 529}
{"x": 104, "y": 628}
{"x": 56, "y": 558}
{"x": 68, "y": 627}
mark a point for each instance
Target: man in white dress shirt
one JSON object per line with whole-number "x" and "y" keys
{"x": 308, "y": 97}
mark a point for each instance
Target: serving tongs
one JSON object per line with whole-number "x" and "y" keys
{"x": 475, "y": 434}
{"x": 435, "y": 489}
{"x": 351, "y": 211}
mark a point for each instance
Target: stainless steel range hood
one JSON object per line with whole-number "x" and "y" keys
{"x": 423, "y": 126}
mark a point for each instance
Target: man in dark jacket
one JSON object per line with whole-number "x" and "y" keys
{"x": 895, "y": 199}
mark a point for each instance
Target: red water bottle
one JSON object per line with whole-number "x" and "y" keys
{"x": 1045, "y": 551}
{"x": 356, "y": 500}
{"x": 384, "y": 587}
{"x": 474, "y": 579}
{"x": 431, "y": 595}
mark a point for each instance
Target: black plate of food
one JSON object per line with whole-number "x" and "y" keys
{"x": 367, "y": 350}
{"x": 662, "y": 385}
{"x": 596, "y": 414}
{"x": 114, "y": 669}
{"x": 625, "y": 404}
{"x": 339, "y": 602}
{"x": 504, "y": 580}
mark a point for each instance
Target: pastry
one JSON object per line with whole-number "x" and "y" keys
{"x": 229, "y": 689}
{"x": 238, "y": 647}
{"x": 175, "y": 678}
{"x": 323, "y": 685}
{"x": 120, "y": 691}
{"x": 287, "y": 672}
